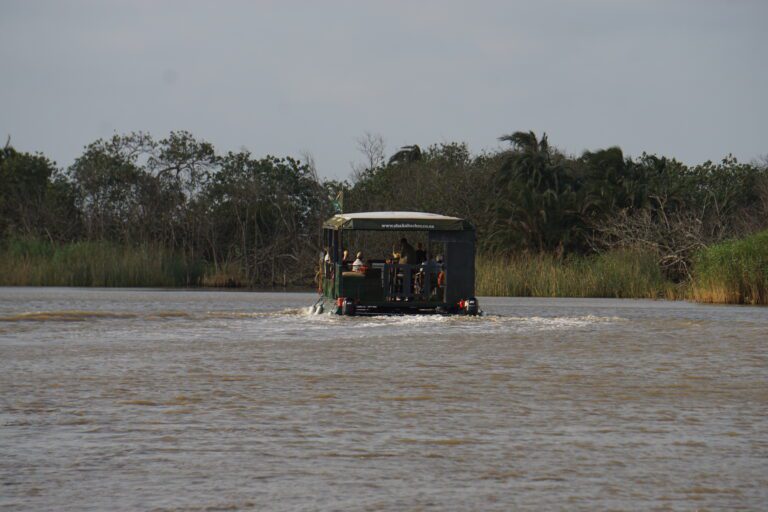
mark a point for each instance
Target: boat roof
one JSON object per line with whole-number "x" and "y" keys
{"x": 397, "y": 221}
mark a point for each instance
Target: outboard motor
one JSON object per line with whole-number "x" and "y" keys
{"x": 471, "y": 306}
{"x": 348, "y": 307}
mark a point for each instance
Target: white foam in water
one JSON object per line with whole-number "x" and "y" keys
{"x": 557, "y": 323}
{"x": 483, "y": 323}
{"x": 321, "y": 325}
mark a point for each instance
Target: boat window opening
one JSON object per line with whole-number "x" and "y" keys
{"x": 378, "y": 246}
{"x": 401, "y": 279}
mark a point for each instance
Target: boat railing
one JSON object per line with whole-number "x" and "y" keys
{"x": 404, "y": 282}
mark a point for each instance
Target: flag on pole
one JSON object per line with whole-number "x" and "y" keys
{"x": 338, "y": 203}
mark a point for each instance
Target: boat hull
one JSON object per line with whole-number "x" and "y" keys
{"x": 348, "y": 307}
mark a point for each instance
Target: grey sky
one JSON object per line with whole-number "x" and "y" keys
{"x": 681, "y": 78}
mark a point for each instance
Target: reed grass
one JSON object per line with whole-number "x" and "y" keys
{"x": 227, "y": 275}
{"x": 733, "y": 272}
{"x": 616, "y": 274}
{"x": 30, "y": 262}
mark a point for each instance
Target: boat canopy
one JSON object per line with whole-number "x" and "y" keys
{"x": 397, "y": 221}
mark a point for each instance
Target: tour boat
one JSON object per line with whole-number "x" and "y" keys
{"x": 385, "y": 273}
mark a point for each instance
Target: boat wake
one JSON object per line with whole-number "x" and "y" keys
{"x": 292, "y": 323}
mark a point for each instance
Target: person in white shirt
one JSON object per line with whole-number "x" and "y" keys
{"x": 358, "y": 263}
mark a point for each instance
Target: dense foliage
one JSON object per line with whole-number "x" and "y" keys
{"x": 259, "y": 216}
{"x": 255, "y": 221}
{"x": 735, "y": 271}
{"x": 533, "y": 198}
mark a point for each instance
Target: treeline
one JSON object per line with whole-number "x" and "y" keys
{"x": 250, "y": 221}
{"x": 234, "y": 219}
{"x": 533, "y": 198}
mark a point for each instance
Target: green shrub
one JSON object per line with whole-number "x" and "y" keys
{"x": 734, "y": 272}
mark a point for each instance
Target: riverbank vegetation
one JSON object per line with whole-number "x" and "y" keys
{"x": 136, "y": 211}
{"x": 35, "y": 262}
{"x": 616, "y": 274}
{"x": 734, "y": 272}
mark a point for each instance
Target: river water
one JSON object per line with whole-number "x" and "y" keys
{"x": 197, "y": 400}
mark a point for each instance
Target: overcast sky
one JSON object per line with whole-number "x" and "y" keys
{"x": 683, "y": 78}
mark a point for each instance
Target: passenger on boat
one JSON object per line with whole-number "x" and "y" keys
{"x": 320, "y": 270}
{"x": 357, "y": 266}
{"x": 421, "y": 254}
{"x": 407, "y": 252}
{"x": 440, "y": 274}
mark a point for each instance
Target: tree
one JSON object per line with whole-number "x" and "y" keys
{"x": 115, "y": 193}
{"x": 372, "y": 147}
{"x": 267, "y": 213}
{"x": 407, "y": 154}
{"x": 24, "y": 190}
{"x": 535, "y": 203}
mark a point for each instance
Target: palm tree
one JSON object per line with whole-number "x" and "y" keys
{"x": 407, "y": 154}
{"x": 534, "y": 195}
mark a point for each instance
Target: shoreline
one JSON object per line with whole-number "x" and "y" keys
{"x": 302, "y": 290}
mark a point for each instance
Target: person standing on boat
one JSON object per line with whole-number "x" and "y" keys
{"x": 405, "y": 274}
{"x": 421, "y": 254}
{"x": 407, "y": 252}
{"x": 325, "y": 259}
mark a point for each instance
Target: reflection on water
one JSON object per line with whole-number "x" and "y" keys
{"x": 134, "y": 399}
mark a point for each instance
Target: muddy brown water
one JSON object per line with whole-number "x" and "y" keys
{"x": 195, "y": 400}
